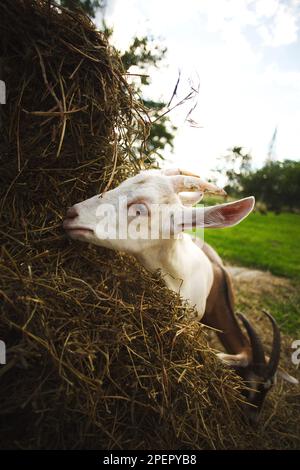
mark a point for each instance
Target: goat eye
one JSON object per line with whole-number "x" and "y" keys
{"x": 136, "y": 210}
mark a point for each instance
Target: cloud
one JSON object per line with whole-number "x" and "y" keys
{"x": 283, "y": 31}
{"x": 275, "y": 21}
{"x": 283, "y": 25}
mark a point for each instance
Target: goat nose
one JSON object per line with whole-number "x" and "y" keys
{"x": 72, "y": 212}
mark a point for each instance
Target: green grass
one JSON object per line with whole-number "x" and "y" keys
{"x": 269, "y": 242}
{"x": 285, "y": 310}
{"x": 281, "y": 300}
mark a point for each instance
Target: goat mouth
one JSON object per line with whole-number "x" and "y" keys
{"x": 79, "y": 229}
{"x": 76, "y": 231}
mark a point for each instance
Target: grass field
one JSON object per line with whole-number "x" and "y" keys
{"x": 270, "y": 242}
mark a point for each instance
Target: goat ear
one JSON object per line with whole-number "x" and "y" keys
{"x": 229, "y": 214}
{"x": 287, "y": 377}
{"x": 219, "y": 216}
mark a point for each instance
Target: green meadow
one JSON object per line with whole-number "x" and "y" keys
{"x": 269, "y": 242}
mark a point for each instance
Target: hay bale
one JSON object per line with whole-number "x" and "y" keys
{"x": 100, "y": 353}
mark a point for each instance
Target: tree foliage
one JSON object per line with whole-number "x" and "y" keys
{"x": 237, "y": 164}
{"x": 276, "y": 184}
{"x": 143, "y": 52}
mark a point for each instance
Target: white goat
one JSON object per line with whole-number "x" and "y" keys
{"x": 189, "y": 267}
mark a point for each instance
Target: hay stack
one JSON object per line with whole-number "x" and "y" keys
{"x": 100, "y": 353}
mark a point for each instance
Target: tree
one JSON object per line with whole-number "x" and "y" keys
{"x": 237, "y": 167}
{"x": 276, "y": 184}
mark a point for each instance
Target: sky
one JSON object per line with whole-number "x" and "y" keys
{"x": 244, "y": 55}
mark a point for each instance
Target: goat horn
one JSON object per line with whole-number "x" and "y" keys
{"x": 178, "y": 171}
{"x": 258, "y": 355}
{"x": 276, "y": 347}
{"x": 192, "y": 183}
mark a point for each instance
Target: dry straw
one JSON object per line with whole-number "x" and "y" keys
{"x": 99, "y": 353}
